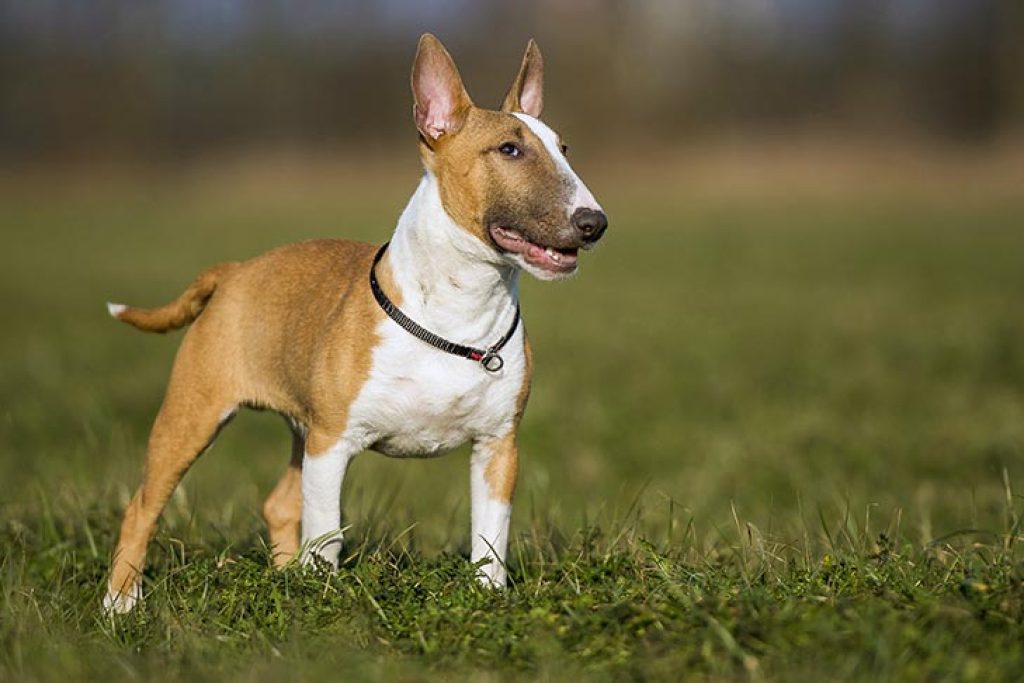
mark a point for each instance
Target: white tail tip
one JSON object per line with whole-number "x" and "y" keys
{"x": 116, "y": 310}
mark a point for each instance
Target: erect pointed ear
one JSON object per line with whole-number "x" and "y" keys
{"x": 527, "y": 92}
{"x": 440, "y": 102}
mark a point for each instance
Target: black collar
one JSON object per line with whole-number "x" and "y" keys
{"x": 488, "y": 358}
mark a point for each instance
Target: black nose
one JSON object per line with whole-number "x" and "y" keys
{"x": 590, "y": 223}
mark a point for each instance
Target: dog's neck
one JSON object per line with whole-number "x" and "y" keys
{"x": 449, "y": 281}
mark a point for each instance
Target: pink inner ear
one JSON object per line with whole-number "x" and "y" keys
{"x": 435, "y": 119}
{"x": 435, "y": 104}
{"x": 531, "y": 99}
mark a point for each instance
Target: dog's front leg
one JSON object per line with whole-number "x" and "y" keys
{"x": 322, "y": 476}
{"x": 493, "y": 470}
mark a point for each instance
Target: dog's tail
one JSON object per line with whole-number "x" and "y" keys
{"x": 179, "y": 312}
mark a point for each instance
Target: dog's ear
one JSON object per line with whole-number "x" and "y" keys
{"x": 527, "y": 92}
{"x": 440, "y": 102}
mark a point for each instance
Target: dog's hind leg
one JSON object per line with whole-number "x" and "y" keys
{"x": 192, "y": 413}
{"x": 283, "y": 507}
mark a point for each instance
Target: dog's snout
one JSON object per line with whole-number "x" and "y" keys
{"x": 590, "y": 223}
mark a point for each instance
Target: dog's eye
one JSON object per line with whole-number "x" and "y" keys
{"x": 510, "y": 149}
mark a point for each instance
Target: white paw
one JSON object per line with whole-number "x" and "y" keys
{"x": 115, "y": 310}
{"x": 115, "y": 602}
{"x": 322, "y": 551}
{"x": 492, "y": 575}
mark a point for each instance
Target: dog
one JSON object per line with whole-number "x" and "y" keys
{"x": 409, "y": 349}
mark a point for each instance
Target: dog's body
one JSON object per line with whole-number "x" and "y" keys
{"x": 298, "y": 331}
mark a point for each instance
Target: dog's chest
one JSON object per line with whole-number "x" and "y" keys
{"x": 419, "y": 401}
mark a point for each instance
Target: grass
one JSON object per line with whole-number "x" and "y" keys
{"x": 772, "y": 437}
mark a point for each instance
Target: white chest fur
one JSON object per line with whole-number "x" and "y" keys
{"x": 419, "y": 401}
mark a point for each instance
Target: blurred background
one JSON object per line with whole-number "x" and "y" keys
{"x": 810, "y": 295}
{"x": 173, "y": 79}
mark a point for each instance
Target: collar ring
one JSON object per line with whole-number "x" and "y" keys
{"x": 492, "y": 362}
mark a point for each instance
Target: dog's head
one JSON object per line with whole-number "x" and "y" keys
{"x": 503, "y": 175}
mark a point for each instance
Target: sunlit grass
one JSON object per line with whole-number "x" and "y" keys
{"x": 774, "y": 437}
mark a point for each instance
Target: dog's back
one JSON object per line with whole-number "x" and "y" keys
{"x": 275, "y": 312}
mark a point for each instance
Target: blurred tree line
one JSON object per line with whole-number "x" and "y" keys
{"x": 166, "y": 78}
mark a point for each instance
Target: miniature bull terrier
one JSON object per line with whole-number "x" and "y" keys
{"x": 409, "y": 349}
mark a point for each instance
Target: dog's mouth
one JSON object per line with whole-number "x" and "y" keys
{"x": 551, "y": 259}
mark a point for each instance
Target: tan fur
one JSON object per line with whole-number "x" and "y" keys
{"x": 291, "y": 330}
{"x": 294, "y": 330}
{"x": 480, "y": 189}
{"x": 182, "y": 310}
{"x": 502, "y": 469}
{"x": 283, "y": 507}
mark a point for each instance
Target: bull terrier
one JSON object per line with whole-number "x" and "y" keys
{"x": 409, "y": 349}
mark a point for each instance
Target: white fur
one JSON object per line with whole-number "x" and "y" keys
{"x": 419, "y": 401}
{"x": 322, "y": 477}
{"x": 122, "y": 603}
{"x": 116, "y": 310}
{"x": 582, "y": 198}
{"x": 490, "y": 520}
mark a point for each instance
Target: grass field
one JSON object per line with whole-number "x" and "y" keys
{"x": 773, "y": 436}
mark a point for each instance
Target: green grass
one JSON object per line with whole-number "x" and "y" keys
{"x": 770, "y": 438}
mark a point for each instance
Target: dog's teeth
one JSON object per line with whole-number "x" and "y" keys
{"x": 555, "y": 256}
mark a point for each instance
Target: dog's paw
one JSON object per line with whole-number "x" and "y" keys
{"x": 491, "y": 573}
{"x": 322, "y": 553}
{"x": 116, "y": 602}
